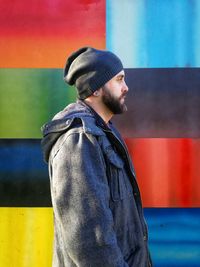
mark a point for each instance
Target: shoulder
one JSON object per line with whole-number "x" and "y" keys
{"x": 84, "y": 124}
{"x": 81, "y": 132}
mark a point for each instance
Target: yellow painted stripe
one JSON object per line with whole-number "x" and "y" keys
{"x": 26, "y": 237}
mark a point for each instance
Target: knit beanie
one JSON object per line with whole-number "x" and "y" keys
{"x": 89, "y": 69}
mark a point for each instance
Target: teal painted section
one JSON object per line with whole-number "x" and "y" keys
{"x": 154, "y": 33}
{"x": 30, "y": 97}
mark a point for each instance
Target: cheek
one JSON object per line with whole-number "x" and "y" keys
{"x": 117, "y": 90}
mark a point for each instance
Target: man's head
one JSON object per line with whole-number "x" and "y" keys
{"x": 89, "y": 69}
{"x": 98, "y": 76}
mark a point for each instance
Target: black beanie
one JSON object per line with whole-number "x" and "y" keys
{"x": 89, "y": 69}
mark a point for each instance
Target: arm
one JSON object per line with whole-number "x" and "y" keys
{"x": 81, "y": 202}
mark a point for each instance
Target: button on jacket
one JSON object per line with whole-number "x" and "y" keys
{"x": 98, "y": 216}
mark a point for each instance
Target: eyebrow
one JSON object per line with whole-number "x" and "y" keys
{"x": 121, "y": 76}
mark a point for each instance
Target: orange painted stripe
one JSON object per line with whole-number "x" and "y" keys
{"x": 48, "y": 52}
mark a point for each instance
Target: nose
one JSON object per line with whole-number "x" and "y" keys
{"x": 125, "y": 88}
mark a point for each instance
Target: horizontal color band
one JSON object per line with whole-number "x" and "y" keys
{"x": 167, "y": 172}
{"x": 174, "y": 236}
{"x": 161, "y": 102}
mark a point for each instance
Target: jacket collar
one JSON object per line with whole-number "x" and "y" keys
{"x": 99, "y": 121}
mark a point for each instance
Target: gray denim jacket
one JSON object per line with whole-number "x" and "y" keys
{"x": 98, "y": 216}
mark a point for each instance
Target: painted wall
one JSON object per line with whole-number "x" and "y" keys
{"x": 158, "y": 43}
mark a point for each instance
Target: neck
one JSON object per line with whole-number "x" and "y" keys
{"x": 100, "y": 108}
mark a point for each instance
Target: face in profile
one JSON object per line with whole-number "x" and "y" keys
{"x": 114, "y": 94}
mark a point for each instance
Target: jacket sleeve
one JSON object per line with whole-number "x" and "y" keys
{"x": 80, "y": 196}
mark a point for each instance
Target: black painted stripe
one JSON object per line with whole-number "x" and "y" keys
{"x": 162, "y": 102}
{"x": 24, "y": 178}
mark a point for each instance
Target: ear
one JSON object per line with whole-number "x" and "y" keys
{"x": 96, "y": 93}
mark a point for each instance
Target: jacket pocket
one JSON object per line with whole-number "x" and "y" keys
{"x": 120, "y": 186}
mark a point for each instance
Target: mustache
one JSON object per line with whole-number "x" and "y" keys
{"x": 123, "y": 95}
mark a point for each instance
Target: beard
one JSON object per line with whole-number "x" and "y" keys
{"x": 115, "y": 104}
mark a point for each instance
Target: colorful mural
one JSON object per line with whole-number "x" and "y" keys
{"x": 158, "y": 43}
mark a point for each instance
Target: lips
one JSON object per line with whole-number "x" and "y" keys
{"x": 122, "y": 97}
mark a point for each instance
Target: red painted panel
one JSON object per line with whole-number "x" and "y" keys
{"x": 42, "y": 33}
{"x": 168, "y": 170}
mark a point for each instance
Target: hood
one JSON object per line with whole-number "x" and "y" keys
{"x": 62, "y": 122}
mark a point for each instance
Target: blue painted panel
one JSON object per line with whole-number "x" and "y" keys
{"x": 21, "y": 155}
{"x": 154, "y": 33}
{"x": 174, "y": 235}
{"x": 24, "y": 180}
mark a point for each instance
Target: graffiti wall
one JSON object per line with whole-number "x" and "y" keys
{"x": 158, "y": 42}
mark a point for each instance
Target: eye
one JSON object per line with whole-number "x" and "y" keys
{"x": 120, "y": 78}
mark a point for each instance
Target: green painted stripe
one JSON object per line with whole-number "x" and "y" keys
{"x": 29, "y": 98}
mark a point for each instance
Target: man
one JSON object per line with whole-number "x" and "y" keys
{"x": 98, "y": 216}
